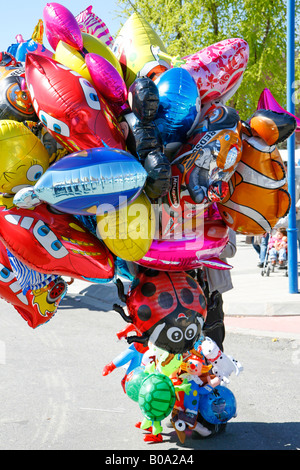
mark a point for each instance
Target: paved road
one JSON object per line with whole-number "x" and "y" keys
{"x": 54, "y": 397}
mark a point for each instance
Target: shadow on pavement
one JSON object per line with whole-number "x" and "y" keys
{"x": 244, "y": 436}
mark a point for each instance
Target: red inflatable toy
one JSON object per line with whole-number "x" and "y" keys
{"x": 37, "y": 306}
{"x": 69, "y": 106}
{"x": 166, "y": 308}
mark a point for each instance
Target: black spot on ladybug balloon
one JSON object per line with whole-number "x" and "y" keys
{"x": 166, "y": 308}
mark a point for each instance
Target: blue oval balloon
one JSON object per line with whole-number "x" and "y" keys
{"x": 218, "y": 406}
{"x": 179, "y": 105}
{"x": 82, "y": 181}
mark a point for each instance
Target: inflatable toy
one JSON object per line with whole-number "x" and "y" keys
{"x": 189, "y": 253}
{"x": 106, "y": 79}
{"x": 268, "y": 103}
{"x": 80, "y": 182}
{"x": 134, "y": 381}
{"x": 129, "y": 231}
{"x": 159, "y": 171}
{"x": 179, "y": 106}
{"x": 35, "y": 44}
{"x": 23, "y": 157}
{"x": 37, "y": 306}
{"x": 187, "y": 236}
{"x": 194, "y": 372}
{"x": 75, "y": 60}
{"x": 31, "y": 46}
{"x": 90, "y": 23}
{"x": 218, "y": 69}
{"x": 209, "y": 157}
{"x": 143, "y": 135}
{"x": 70, "y": 107}
{"x": 54, "y": 243}
{"x": 271, "y": 126}
{"x": 130, "y": 359}
{"x": 61, "y": 25}
{"x": 168, "y": 309}
{"x": 137, "y": 48}
{"x": 222, "y": 364}
{"x": 15, "y": 100}
{"x": 156, "y": 400}
{"x": 218, "y": 406}
{"x": 258, "y": 195}
{"x": 8, "y": 59}
{"x": 143, "y": 96}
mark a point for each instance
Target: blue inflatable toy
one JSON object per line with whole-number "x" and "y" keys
{"x": 179, "y": 106}
{"x": 218, "y": 406}
{"x": 82, "y": 181}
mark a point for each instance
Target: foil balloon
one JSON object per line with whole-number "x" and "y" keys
{"x": 31, "y": 46}
{"x": 75, "y": 60}
{"x": 137, "y": 48}
{"x": 38, "y": 305}
{"x": 187, "y": 253}
{"x": 55, "y": 243}
{"x": 106, "y": 78}
{"x": 23, "y": 157}
{"x": 179, "y": 106}
{"x": 272, "y": 126}
{"x": 218, "y": 69}
{"x": 81, "y": 182}
{"x": 90, "y": 23}
{"x": 61, "y": 25}
{"x": 209, "y": 157}
{"x": 188, "y": 235}
{"x": 167, "y": 309}
{"x": 70, "y": 107}
{"x": 15, "y": 100}
{"x": 129, "y": 231}
{"x": 258, "y": 195}
{"x": 35, "y": 44}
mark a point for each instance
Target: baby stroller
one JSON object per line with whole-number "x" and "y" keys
{"x": 269, "y": 267}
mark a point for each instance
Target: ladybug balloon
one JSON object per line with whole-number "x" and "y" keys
{"x": 166, "y": 308}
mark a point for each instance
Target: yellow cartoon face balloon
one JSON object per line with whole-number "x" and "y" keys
{"x": 137, "y": 47}
{"x": 70, "y": 57}
{"x": 129, "y": 231}
{"x": 23, "y": 157}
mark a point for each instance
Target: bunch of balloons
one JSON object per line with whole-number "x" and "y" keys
{"x": 119, "y": 160}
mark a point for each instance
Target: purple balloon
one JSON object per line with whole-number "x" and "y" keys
{"x": 61, "y": 25}
{"x": 106, "y": 78}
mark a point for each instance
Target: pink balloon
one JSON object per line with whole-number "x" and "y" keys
{"x": 61, "y": 25}
{"x": 106, "y": 78}
{"x": 218, "y": 69}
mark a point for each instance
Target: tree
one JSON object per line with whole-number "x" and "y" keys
{"x": 188, "y": 26}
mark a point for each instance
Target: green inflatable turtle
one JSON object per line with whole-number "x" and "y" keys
{"x": 156, "y": 401}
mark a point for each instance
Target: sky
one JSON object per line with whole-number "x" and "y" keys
{"x": 21, "y": 17}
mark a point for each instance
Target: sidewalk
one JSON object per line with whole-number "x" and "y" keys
{"x": 260, "y": 303}
{"x": 257, "y": 304}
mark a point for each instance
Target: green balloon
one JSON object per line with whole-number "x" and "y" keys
{"x": 134, "y": 381}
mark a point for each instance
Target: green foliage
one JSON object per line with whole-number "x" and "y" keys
{"x": 188, "y": 26}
